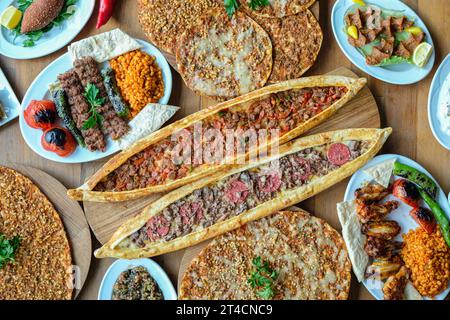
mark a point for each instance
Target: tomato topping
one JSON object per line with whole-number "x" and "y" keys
{"x": 40, "y": 114}
{"x": 58, "y": 140}
{"x": 424, "y": 218}
{"x": 237, "y": 191}
{"x": 338, "y": 154}
{"x": 269, "y": 182}
{"x": 407, "y": 192}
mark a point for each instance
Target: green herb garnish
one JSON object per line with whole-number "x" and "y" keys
{"x": 263, "y": 278}
{"x": 31, "y": 37}
{"x": 232, "y": 5}
{"x": 8, "y": 249}
{"x": 91, "y": 93}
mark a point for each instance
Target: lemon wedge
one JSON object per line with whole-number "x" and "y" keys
{"x": 10, "y": 18}
{"x": 353, "y": 32}
{"x": 360, "y": 2}
{"x": 421, "y": 54}
{"x": 413, "y": 30}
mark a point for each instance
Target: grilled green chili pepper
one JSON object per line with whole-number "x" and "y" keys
{"x": 416, "y": 176}
{"x": 119, "y": 105}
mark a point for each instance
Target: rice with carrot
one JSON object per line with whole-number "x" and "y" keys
{"x": 428, "y": 258}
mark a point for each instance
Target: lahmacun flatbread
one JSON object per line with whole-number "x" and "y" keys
{"x": 164, "y": 21}
{"x": 223, "y": 57}
{"x": 278, "y": 8}
{"x": 42, "y": 267}
{"x": 308, "y": 254}
{"x": 296, "y": 41}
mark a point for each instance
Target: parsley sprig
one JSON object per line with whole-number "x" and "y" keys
{"x": 91, "y": 93}
{"x": 8, "y": 249}
{"x": 232, "y": 5}
{"x": 263, "y": 278}
{"x": 32, "y": 37}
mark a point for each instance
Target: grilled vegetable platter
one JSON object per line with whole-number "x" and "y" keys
{"x": 84, "y": 105}
{"x": 395, "y": 222}
{"x": 385, "y": 39}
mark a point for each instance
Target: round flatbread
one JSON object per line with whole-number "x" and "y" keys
{"x": 43, "y": 265}
{"x": 163, "y": 21}
{"x": 296, "y": 44}
{"x": 224, "y": 57}
{"x": 309, "y": 255}
{"x": 278, "y": 8}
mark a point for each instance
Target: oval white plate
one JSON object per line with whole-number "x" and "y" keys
{"x": 396, "y": 74}
{"x": 434, "y": 102}
{"x": 401, "y": 215}
{"x": 53, "y": 40}
{"x": 157, "y": 273}
{"x": 9, "y": 100}
{"x": 38, "y": 91}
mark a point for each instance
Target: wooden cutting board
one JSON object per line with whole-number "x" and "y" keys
{"x": 315, "y": 8}
{"x": 105, "y": 218}
{"x": 72, "y": 216}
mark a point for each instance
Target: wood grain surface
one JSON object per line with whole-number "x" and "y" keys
{"x": 361, "y": 111}
{"x": 72, "y": 216}
{"x": 402, "y": 107}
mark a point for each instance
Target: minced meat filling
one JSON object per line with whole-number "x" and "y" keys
{"x": 284, "y": 111}
{"x": 136, "y": 284}
{"x": 245, "y": 190}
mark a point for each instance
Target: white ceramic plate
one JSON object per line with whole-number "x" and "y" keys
{"x": 53, "y": 40}
{"x": 38, "y": 91}
{"x": 396, "y": 74}
{"x": 434, "y": 101}
{"x": 8, "y": 99}
{"x": 401, "y": 215}
{"x": 157, "y": 273}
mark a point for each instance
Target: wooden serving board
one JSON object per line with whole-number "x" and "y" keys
{"x": 315, "y": 8}
{"x": 72, "y": 216}
{"x": 105, "y": 218}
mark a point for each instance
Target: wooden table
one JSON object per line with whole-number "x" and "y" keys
{"x": 402, "y": 107}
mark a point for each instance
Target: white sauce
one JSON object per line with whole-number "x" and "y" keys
{"x": 444, "y": 106}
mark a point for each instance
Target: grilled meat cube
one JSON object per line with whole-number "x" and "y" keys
{"x": 381, "y": 229}
{"x": 380, "y": 248}
{"x": 395, "y": 285}
{"x": 375, "y": 212}
{"x": 383, "y": 269}
{"x": 371, "y": 193}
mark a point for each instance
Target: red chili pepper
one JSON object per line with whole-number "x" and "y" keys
{"x": 105, "y": 12}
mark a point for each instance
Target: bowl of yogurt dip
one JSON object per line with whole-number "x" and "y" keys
{"x": 439, "y": 104}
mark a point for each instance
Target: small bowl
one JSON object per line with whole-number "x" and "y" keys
{"x": 121, "y": 265}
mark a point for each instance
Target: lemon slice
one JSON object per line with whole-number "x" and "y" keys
{"x": 10, "y": 18}
{"x": 360, "y": 2}
{"x": 421, "y": 54}
{"x": 413, "y": 30}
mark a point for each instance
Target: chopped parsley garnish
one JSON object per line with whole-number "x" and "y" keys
{"x": 232, "y": 5}
{"x": 31, "y": 38}
{"x": 8, "y": 249}
{"x": 263, "y": 278}
{"x": 91, "y": 93}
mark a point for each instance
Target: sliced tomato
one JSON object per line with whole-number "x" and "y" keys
{"x": 40, "y": 114}
{"x": 58, "y": 140}
{"x": 424, "y": 218}
{"x": 407, "y": 192}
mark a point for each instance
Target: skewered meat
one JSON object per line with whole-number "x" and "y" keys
{"x": 383, "y": 269}
{"x": 395, "y": 285}
{"x": 380, "y": 248}
{"x": 407, "y": 192}
{"x": 381, "y": 229}
{"x": 371, "y": 193}
{"x": 375, "y": 212}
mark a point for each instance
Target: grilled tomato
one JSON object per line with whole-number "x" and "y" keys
{"x": 40, "y": 114}
{"x": 59, "y": 141}
{"x": 424, "y": 218}
{"x": 407, "y": 192}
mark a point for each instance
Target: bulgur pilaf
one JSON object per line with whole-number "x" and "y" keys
{"x": 428, "y": 258}
{"x": 139, "y": 79}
